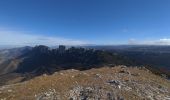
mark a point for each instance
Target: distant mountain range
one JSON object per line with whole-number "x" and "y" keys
{"x": 28, "y": 62}
{"x": 157, "y": 56}
{"x": 41, "y": 59}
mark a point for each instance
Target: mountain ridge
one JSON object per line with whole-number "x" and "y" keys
{"x": 28, "y": 62}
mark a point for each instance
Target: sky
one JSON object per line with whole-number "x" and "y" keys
{"x": 84, "y": 22}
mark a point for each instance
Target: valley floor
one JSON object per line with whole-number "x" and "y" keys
{"x": 116, "y": 83}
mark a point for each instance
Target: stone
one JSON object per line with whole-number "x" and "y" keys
{"x": 9, "y": 90}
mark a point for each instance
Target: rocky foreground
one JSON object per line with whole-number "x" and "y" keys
{"x": 116, "y": 83}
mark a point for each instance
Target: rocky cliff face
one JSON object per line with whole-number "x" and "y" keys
{"x": 116, "y": 83}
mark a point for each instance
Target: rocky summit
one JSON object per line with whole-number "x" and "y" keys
{"x": 106, "y": 83}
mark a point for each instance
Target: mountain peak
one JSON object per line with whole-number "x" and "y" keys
{"x": 116, "y": 83}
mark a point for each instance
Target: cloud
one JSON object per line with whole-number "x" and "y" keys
{"x": 21, "y": 38}
{"x": 163, "y": 41}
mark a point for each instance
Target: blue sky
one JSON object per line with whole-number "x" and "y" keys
{"x": 77, "y": 22}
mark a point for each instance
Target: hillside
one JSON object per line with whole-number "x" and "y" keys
{"x": 116, "y": 83}
{"x": 154, "y": 56}
{"x": 25, "y": 63}
{"x": 20, "y": 64}
{"x": 10, "y": 59}
{"x": 43, "y": 73}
